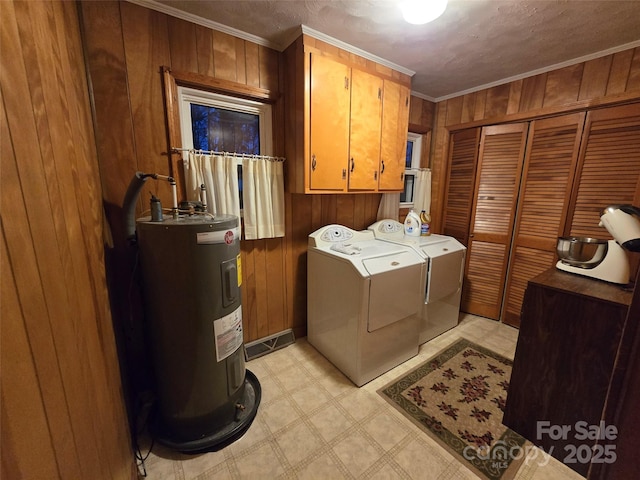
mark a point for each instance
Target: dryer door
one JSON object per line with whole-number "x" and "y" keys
{"x": 396, "y": 288}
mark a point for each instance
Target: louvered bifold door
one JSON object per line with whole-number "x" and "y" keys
{"x": 463, "y": 158}
{"x": 499, "y": 168}
{"x": 608, "y": 168}
{"x": 552, "y": 153}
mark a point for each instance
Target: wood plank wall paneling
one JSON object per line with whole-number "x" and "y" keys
{"x": 61, "y": 385}
{"x": 599, "y": 82}
{"x": 126, "y": 45}
{"x": 116, "y": 145}
{"x": 421, "y": 115}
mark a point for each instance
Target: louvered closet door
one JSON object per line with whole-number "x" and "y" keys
{"x": 552, "y": 152}
{"x": 608, "y": 168}
{"x": 463, "y": 158}
{"x": 499, "y": 167}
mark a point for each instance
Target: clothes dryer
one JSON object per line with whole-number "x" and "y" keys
{"x": 442, "y": 290}
{"x": 363, "y": 301}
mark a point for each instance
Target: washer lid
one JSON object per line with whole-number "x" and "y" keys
{"x": 444, "y": 246}
{"x": 394, "y": 261}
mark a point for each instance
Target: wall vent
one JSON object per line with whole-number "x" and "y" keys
{"x": 269, "y": 344}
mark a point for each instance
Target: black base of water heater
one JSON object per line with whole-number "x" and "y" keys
{"x": 228, "y": 434}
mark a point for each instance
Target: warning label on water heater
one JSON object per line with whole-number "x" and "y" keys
{"x": 228, "y": 334}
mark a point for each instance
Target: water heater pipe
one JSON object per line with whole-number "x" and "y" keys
{"x": 131, "y": 197}
{"x": 203, "y": 196}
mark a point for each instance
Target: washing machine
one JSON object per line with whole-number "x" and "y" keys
{"x": 442, "y": 288}
{"x": 364, "y": 299}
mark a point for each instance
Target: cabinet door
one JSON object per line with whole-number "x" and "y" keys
{"x": 552, "y": 153}
{"x": 608, "y": 168}
{"x": 393, "y": 139}
{"x": 329, "y": 124}
{"x": 364, "y": 141}
{"x": 463, "y": 158}
{"x": 499, "y": 169}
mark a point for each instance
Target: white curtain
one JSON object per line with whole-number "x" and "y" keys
{"x": 263, "y": 197}
{"x": 422, "y": 194}
{"x": 219, "y": 174}
{"x": 389, "y": 206}
{"x": 263, "y": 189}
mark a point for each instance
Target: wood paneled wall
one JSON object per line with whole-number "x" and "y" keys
{"x": 421, "y": 115}
{"x": 126, "y": 45}
{"x": 603, "y": 81}
{"x": 63, "y": 413}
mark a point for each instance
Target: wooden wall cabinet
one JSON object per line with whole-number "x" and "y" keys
{"x": 568, "y": 345}
{"x": 329, "y": 112}
{"x": 393, "y": 139}
{"x": 347, "y": 123}
{"x": 365, "y": 124}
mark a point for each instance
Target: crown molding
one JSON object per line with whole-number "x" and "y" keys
{"x": 189, "y": 17}
{"x": 568, "y": 63}
{"x": 355, "y": 50}
{"x": 423, "y": 96}
{"x": 174, "y": 12}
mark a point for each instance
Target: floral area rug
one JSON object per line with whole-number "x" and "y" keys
{"x": 458, "y": 398}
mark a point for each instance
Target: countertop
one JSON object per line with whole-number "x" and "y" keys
{"x": 585, "y": 286}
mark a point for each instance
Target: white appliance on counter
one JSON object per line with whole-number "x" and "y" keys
{"x": 363, "y": 301}
{"x": 442, "y": 289}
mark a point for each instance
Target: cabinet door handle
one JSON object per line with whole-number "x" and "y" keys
{"x": 382, "y": 169}
{"x": 379, "y": 93}
{"x": 402, "y": 176}
{"x": 313, "y": 163}
{"x": 375, "y": 175}
{"x": 344, "y": 173}
{"x": 346, "y": 83}
{"x": 353, "y": 164}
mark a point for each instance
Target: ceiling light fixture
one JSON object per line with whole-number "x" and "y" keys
{"x": 419, "y": 12}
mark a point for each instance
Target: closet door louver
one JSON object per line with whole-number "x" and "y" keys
{"x": 499, "y": 169}
{"x": 552, "y": 153}
{"x": 608, "y": 168}
{"x": 463, "y": 157}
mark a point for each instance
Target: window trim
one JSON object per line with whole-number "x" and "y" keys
{"x": 172, "y": 79}
{"x": 188, "y": 95}
{"x": 416, "y": 157}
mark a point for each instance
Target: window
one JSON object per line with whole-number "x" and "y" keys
{"x": 412, "y": 164}
{"x": 220, "y": 123}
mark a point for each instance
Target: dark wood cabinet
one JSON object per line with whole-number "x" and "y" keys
{"x": 570, "y": 334}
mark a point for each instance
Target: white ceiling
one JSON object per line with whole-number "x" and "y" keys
{"x": 474, "y": 44}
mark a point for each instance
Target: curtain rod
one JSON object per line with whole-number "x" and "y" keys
{"x": 244, "y": 155}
